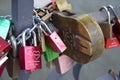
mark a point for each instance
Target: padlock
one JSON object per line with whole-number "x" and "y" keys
{"x": 53, "y": 39}
{"x": 116, "y": 26}
{"x": 111, "y": 40}
{"x": 106, "y": 26}
{"x": 2, "y": 68}
{"x": 13, "y": 66}
{"x": 41, "y": 39}
{"x": 3, "y": 59}
{"x": 65, "y": 5}
{"x": 63, "y": 63}
{"x": 30, "y": 56}
{"x": 4, "y": 47}
{"x": 81, "y": 34}
{"x": 4, "y": 27}
{"x": 50, "y": 55}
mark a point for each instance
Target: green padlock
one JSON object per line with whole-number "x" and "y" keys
{"x": 50, "y": 55}
{"x": 4, "y": 27}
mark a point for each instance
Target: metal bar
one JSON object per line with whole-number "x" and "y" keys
{"x": 22, "y": 11}
{"x": 101, "y": 16}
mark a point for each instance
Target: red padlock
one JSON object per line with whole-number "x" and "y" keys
{"x": 30, "y": 56}
{"x": 53, "y": 39}
{"x": 111, "y": 41}
{"x": 2, "y": 68}
{"x": 63, "y": 63}
{"x": 4, "y": 47}
{"x": 116, "y": 27}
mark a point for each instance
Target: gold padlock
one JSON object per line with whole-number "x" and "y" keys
{"x": 13, "y": 61}
{"x": 82, "y": 35}
{"x": 63, "y": 5}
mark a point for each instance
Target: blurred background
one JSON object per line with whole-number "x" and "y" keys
{"x": 91, "y": 71}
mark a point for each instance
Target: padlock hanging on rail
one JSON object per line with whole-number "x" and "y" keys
{"x": 30, "y": 56}
{"x": 53, "y": 39}
{"x": 111, "y": 40}
{"x": 116, "y": 26}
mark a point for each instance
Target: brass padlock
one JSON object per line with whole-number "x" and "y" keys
{"x": 82, "y": 35}
{"x": 13, "y": 61}
{"x": 63, "y": 5}
{"x": 41, "y": 39}
{"x": 106, "y": 26}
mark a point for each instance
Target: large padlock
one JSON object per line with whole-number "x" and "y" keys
{"x": 111, "y": 40}
{"x": 50, "y": 55}
{"x": 63, "y": 63}
{"x": 30, "y": 56}
{"x": 53, "y": 39}
{"x": 13, "y": 66}
{"x": 116, "y": 26}
{"x": 4, "y": 47}
{"x": 81, "y": 34}
{"x": 4, "y": 27}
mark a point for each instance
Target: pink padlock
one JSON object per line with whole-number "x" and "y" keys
{"x": 30, "y": 56}
{"x": 53, "y": 39}
{"x": 63, "y": 64}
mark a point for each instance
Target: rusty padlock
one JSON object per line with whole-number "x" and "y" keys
{"x": 13, "y": 66}
{"x": 81, "y": 34}
{"x": 30, "y": 56}
{"x": 4, "y": 47}
{"x": 111, "y": 40}
{"x": 53, "y": 39}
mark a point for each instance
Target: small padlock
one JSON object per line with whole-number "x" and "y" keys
{"x": 53, "y": 39}
{"x": 106, "y": 26}
{"x": 50, "y": 55}
{"x": 30, "y": 56}
{"x": 63, "y": 63}
{"x": 13, "y": 66}
{"x": 116, "y": 26}
{"x": 4, "y": 47}
{"x": 4, "y": 27}
{"x": 2, "y": 68}
{"x": 41, "y": 39}
{"x": 111, "y": 40}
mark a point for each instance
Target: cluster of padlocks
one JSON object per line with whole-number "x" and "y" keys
{"x": 61, "y": 36}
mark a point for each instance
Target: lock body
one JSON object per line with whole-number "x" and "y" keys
{"x": 4, "y": 47}
{"x": 50, "y": 55}
{"x": 30, "y": 57}
{"x": 63, "y": 64}
{"x": 2, "y": 67}
{"x": 81, "y": 34}
{"x": 13, "y": 67}
{"x": 55, "y": 42}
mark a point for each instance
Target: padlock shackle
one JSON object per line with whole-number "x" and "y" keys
{"x": 34, "y": 38}
{"x": 111, "y": 7}
{"x": 46, "y": 26}
{"x": 24, "y": 37}
{"x": 14, "y": 46}
{"x": 108, "y": 13}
